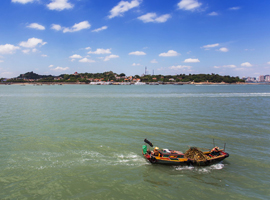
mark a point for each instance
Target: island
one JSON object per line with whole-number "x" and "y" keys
{"x": 111, "y": 78}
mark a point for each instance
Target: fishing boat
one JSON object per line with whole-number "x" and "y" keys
{"x": 193, "y": 156}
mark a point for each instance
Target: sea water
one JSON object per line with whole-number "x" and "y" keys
{"x": 85, "y": 141}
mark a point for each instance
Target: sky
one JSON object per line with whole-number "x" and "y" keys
{"x": 169, "y": 37}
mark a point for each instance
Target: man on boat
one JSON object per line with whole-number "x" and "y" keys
{"x": 215, "y": 151}
{"x": 156, "y": 153}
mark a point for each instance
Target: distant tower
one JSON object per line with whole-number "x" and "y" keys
{"x": 145, "y": 71}
{"x": 153, "y": 73}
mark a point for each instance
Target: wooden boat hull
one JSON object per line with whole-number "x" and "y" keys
{"x": 173, "y": 160}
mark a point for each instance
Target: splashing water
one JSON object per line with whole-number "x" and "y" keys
{"x": 206, "y": 169}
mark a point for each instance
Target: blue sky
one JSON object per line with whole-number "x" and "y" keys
{"x": 227, "y": 37}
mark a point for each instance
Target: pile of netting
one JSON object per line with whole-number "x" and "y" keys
{"x": 195, "y": 154}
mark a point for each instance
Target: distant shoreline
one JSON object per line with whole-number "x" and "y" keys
{"x": 125, "y": 83}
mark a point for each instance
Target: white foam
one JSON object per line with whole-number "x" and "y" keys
{"x": 129, "y": 159}
{"x": 184, "y": 168}
{"x": 210, "y": 168}
{"x": 90, "y": 153}
{"x": 41, "y": 167}
{"x": 206, "y": 169}
{"x": 217, "y": 166}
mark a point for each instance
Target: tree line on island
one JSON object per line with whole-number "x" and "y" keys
{"x": 114, "y": 77}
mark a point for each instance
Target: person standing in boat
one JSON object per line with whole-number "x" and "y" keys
{"x": 215, "y": 151}
{"x": 156, "y": 152}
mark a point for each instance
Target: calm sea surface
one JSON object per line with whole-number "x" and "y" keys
{"x": 84, "y": 141}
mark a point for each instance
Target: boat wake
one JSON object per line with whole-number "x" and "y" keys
{"x": 69, "y": 159}
{"x": 130, "y": 159}
{"x": 201, "y": 170}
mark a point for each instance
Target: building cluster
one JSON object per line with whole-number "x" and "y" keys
{"x": 264, "y": 78}
{"x": 261, "y": 78}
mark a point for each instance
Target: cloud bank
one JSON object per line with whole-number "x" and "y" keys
{"x": 152, "y": 17}
{"x": 59, "y": 5}
{"x": 170, "y": 53}
{"x": 189, "y": 4}
{"x": 122, "y": 7}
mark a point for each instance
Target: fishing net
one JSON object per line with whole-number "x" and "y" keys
{"x": 195, "y": 154}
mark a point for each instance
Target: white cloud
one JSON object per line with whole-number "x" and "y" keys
{"x": 169, "y": 53}
{"x": 134, "y": 64}
{"x": 225, "y": 66}
{"x": 246, "y": 64}
{"x": 268, "y": 63}
{"x": 86, "y": 60}
{"x": 223, "y": 49}
{"x": 87, "y": 48}
{"x": 154, "y": 61}
{"x": 213, "y": 14}
{"x": 137, "y": 53}
{"x": 148, "y": 17}
{"x": 230, "y": 66}
{"x": 36, "y": 26}
{"x": 60, "y": 68}
{"x": 100, "y": 29}
{"x": 1, "y": 61}
{"x": 22, "y": 1}
{"x": 234, "y": 8}
{"x": 123, "y": 6}
{"x": 189, "y": 4}
{"x": 26, "y": 51}
{"x": 191, "y": 60}
{"x": 59, "y": 5}
{"x": 44, "y": 55}
{"x": 100, "y": 51}
{"x": 8, "y": 49}
{"x": 32, "y": 43}
{"x": 75, "y": 56}
{"x": 210, "y": 45}
{"x": 152, "y": 17}
{"x": 34, "y": 50}
{"x": 78, "y": 27}
{"x": 180, "y": 67}
{"x": 56, "y": 27}
{"x": 50, "y": 66}
{"x": 163, "y": 18}
{"x": 110, "y": 56}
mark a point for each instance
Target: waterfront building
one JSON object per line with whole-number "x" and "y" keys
{"x": 261, "y": 78}
{"x": 251, "y": 79}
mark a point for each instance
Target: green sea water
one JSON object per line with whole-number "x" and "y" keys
{"x": 84, "y": 141}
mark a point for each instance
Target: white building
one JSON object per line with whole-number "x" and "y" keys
{"x": 261, "y": 78}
